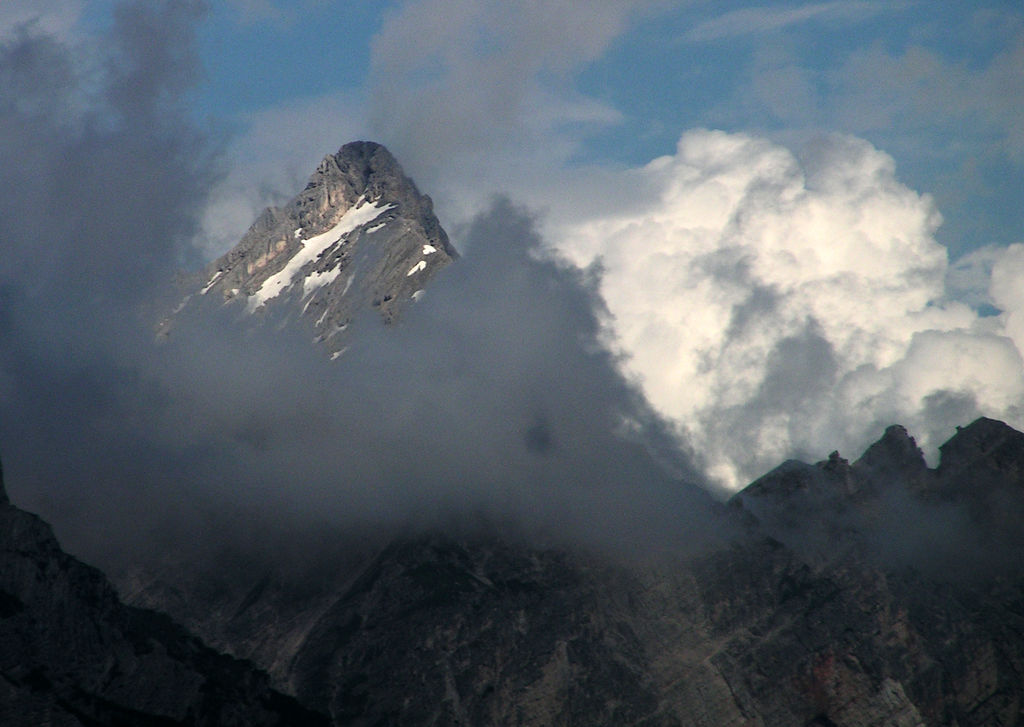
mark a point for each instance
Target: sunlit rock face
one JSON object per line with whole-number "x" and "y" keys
{"x": 360, "y": 237}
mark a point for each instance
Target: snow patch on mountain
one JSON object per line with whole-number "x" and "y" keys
{"x": 315, "y": 281}
{"x": 210, "y": 283}
{"x": 358, "y": 215}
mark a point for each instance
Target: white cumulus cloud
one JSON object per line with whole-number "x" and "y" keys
{"x": 1007, "y": 291}
{"x": 775, "y": 306}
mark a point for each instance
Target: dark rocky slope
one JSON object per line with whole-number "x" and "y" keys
{"x": 842, "y": 604}
{"x": 71, "y": 653}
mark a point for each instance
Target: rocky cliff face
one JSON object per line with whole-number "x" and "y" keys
{"x": 72, "y": 654}
{"x": 812, "y": 617}
{"x": 966, "y": 515}
{"x": 360, "y": 237}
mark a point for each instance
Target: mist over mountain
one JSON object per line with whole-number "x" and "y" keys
{"x": 492, "y": 393}
{"x": 460, "y": 625}
{"x": 470, "y": 516}
{"x": 420, "y": 489}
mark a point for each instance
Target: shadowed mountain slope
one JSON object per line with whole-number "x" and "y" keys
{"x": 817, "y": 615}
{"x": 72, "y": 654}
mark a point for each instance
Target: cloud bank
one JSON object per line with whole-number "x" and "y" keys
{"x": 492, "y": 399}
{"x": 492, "y": 396}
{"x": 776, "y": 306}
{"x": 766, "y": 304}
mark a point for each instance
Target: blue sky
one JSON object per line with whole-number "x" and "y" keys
{"x": 938, "y": 85}
{"x": 262, "y": 56}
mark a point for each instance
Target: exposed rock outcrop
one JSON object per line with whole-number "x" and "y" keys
{"x": 360, "y": 237}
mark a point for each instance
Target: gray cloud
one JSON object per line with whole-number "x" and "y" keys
{"x": 102, "y": 177}
{"x": 53, "y": 17}
{"x": 492, "y": 398}
{"x": 103, "y": 170}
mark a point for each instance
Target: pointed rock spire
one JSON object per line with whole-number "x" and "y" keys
{"x": 359, "y": 237}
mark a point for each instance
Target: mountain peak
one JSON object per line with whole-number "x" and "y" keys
{"x": 359, "y": 237}
{"x": 983, "y": 464}
{"x": 369, "y": 155}
{"x": 979, "y": 438}
{"x": 893, "y": 458}
{"x": 364, "y": 168}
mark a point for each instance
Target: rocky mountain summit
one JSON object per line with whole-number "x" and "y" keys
{"x": 358, "y": 237}
{"x": 72, "y": 654}
{"x": 963, "y": 514}
{"x": 881, "y": 592}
